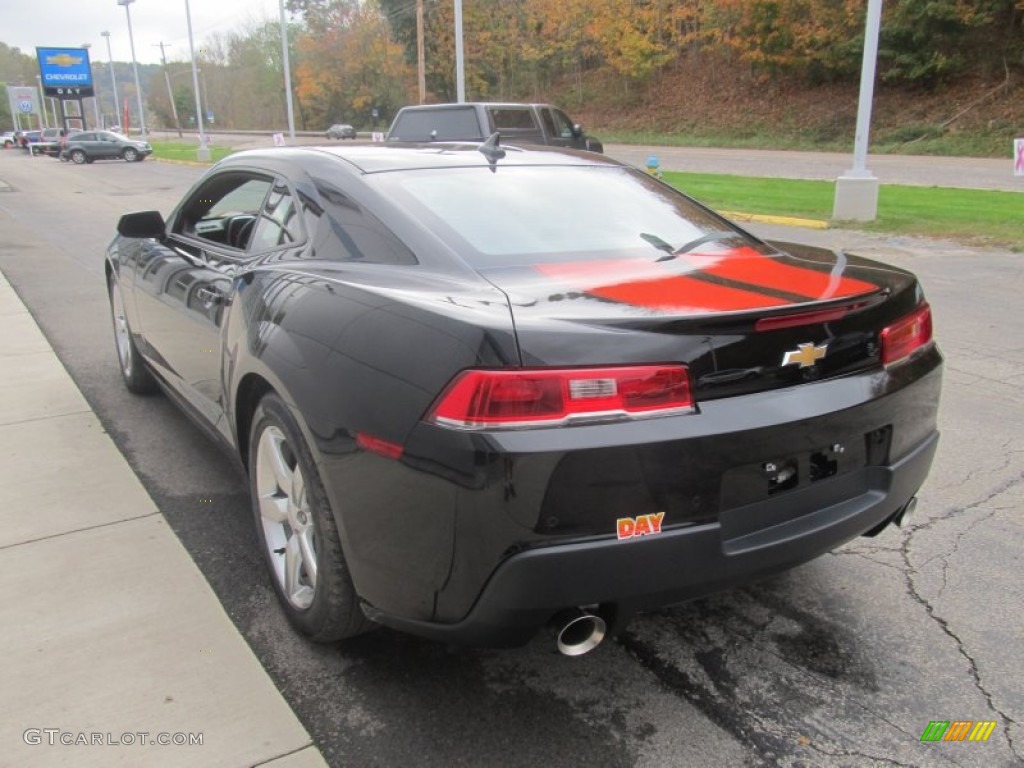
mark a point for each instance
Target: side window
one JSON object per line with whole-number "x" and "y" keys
{"x": 511, "y": 118}
{"x": 278, "y": 222}
{"x": 345, "y": 231}
{"x": 563, "y": 126}
{"x": 224, "y": 209}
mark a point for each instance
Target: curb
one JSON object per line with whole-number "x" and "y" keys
{"x": 788, "y": 221}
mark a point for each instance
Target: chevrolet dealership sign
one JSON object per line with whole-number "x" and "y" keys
{"x": 66, "y": 72}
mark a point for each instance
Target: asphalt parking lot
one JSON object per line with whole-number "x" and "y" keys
{"x": 843, "y": 661}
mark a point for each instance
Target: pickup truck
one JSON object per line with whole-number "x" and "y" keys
{"x": 475, "y": 121}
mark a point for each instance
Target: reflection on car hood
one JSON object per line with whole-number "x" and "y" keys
{"x": 720, "y": 281}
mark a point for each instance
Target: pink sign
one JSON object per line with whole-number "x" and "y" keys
{"x": 1018, "y": 153}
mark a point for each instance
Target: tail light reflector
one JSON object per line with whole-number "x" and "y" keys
{"x": 907, "y": 335}
{"x": 486, "y": 399}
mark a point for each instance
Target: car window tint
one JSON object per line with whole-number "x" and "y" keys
{"x": 85, "y": 137}
{"x": 505, "y": 118}
{"x": 221, "y": 207}
{"x": 440, "y": 124}
{"x": 345, "y": 231}
{"x": 278, "y": 222}
{"x": 247, "y": 196}
{"x": 526, "y": 215}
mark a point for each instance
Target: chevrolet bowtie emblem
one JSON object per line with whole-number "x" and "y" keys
{"x": 805, "y": 354}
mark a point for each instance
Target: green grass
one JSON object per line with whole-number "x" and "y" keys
{"x": 977, "y": 216}
{"x": 183, "y": 150}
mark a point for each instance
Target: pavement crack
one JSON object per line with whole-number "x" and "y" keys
{"x": 865, "y": 556}
{"x": 910, "y": 572}
{"x": 853, "y": 753}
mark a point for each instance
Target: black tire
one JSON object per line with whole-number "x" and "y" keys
{"x": 328, "y": 609}
{"x": 130, "y": 155}
{"x": 78, "y": 157}
{"x": 136, "y": 376}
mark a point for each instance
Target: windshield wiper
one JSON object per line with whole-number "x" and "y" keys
{"x": 657, "y": 242}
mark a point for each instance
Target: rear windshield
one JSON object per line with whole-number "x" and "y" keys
{"x": 536, "y": 214}
{"x": 436, "y": 125}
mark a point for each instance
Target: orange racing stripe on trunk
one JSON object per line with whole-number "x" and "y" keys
{"x": 652, "y": 289}
{"x": 745, "y": 265}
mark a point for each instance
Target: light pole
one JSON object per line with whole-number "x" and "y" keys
{"x": 857, "y": 189}
{"x": 203, "y": 153}
{"x": 287, "y": 73}
{"x": 135, "y": 64}
{"x": 95, "y": 98}
{"x": 460, "y": 67}
{"x": 113, "y": 80}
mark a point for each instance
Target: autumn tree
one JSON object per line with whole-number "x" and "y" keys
{"x": 348, "y": 64}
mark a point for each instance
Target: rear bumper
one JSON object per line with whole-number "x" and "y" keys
{"x": 681, "y": 563}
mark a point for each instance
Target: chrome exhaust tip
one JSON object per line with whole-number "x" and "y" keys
{"x": 905, "y": 515}
{"x": 580, "y": 632}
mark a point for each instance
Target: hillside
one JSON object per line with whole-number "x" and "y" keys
{"x": 717, "y": 102}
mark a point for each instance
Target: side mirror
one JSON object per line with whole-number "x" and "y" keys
{"x": 142, "y": 224}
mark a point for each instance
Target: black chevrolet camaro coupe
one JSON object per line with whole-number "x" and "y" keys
{"x": 479, "y": 388}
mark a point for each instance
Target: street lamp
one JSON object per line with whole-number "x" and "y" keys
{"x": 113, "y": 80}
{"x": 135, "y": 64}
{"x": 203, "y": 153}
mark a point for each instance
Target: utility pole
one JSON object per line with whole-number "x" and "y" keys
{"x": 170, "y": 93}
{"x": 420, "y": 58}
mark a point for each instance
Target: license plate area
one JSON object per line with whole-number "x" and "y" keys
{"x": 781, "y": 472}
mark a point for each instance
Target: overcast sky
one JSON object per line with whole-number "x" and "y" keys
{"x": 69, "y": 23}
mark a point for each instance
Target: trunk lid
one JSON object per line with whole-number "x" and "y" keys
{"x": 744, "y": 319}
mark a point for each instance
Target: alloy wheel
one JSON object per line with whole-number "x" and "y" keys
{"x": 121, "y": 334}
{"x": 286, "y": 517}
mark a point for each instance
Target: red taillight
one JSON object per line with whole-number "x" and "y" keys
{"x": 906, "y": 335}
{"x": 547, "y": 397}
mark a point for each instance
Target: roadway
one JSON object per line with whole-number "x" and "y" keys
{"x": 842, "y": 662}
{"x": 919, "y": 170}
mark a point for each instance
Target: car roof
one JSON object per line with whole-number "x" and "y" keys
{"x": 380, "y": 158}
{"x": 463, "y": 104}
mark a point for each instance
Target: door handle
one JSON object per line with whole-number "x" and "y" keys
{"x": 210, "y": 296}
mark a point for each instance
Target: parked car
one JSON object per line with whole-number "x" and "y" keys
{"x": 517, "y": 123}
{"x": 341, "y": 131}
{"x": 53, "y": 140}
{"x": 476, "y": 387}
{"x": 25, "y": 138}
{"x": 88, "y": 146}
{"x": 8, "y": 139}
